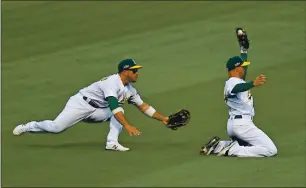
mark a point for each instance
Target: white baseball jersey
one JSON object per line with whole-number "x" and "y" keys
{"x": 111, "y": 86}
{"x": 238, "y": 103}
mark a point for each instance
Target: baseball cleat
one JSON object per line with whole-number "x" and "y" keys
{"x": 116, "y": 147}
{"x": 242, "y": 38}
{"x": 19, "y": 129}
{"x": 224, "y": 151}
{"x": 210, "y": 146}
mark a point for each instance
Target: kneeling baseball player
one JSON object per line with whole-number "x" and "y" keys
{"x": 102, "y": 101}
{"x": 247, "y": 139}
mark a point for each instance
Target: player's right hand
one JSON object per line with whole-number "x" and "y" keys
{"x": 260, "y": 80}
{"x": 132, "y": 130}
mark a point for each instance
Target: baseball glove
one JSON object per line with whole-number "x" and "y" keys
{"x": 178, "y": 119}
{"x": 242, "y": 38}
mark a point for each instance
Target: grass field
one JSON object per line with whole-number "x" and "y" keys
{"x": 50, "y": 50}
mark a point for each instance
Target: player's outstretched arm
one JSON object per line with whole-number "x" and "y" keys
{"x": 118, "y": 114}
{"x": 242, "y": 87}
{"x": 244, "y": 46}
{"x": 151, "y": 112}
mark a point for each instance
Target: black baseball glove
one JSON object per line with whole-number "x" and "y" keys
{"x": 242, "y": 38}
{"x": 178, "y": 119}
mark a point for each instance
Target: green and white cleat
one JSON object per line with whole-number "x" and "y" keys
{"x": 210, "y": 146}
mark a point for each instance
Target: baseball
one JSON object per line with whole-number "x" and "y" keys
{"x": 240, "y": 32}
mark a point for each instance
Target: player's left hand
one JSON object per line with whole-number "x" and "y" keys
{"x": 178, "y": 119}
{"x": 242, "y": 38}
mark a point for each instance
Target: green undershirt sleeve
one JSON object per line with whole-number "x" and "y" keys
{"x": 112, "y": 102}
{"x": 244, "y": 57}
{"x": 242, "y": 87}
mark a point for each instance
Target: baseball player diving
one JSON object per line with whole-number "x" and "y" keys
{"x": 102, "y": 101}
{"x": 247, "y": 139}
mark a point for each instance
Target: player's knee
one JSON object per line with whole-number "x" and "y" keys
{"x": 272, "y": 150}
{"x": 57, "y": 128}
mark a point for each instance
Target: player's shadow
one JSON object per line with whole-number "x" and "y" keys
{"x": 101, "y": 144}
{"x": 70, "y": 145}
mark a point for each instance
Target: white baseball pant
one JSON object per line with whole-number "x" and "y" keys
{"x": 251, "y": 141}
{"x": 77, "y": 110}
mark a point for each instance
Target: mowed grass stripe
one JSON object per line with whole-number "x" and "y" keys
{"x": 218, "y": 18}
{"x": 207, "y": 171}
{"x": 87, "y": 28}
{"x": 101, "y": 21}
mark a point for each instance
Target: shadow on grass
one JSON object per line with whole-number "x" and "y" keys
{"x": 101, "y": 144}
{"x": 71, "y": 145}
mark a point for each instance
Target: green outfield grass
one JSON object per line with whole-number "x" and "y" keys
{"x": 50, "y": 50}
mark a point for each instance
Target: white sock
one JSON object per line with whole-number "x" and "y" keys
{"x": 222, "y": 144}
{"x": 115, "y": 130}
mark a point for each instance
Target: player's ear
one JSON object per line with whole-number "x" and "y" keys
{"x": 125, "y": 72}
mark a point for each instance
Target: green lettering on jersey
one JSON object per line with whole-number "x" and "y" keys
{"x": 249, "y": 95}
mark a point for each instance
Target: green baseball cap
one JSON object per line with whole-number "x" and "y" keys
{"x": 234, "y": 62}
{"x": 128, "y": 64}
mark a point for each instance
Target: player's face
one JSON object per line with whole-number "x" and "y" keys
{"x": 240, "y": 71}
{"x": 133, "y": 75}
